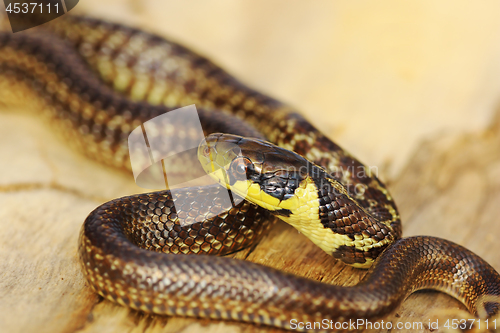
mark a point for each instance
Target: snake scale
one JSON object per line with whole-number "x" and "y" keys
{"x": 96, "y": 81}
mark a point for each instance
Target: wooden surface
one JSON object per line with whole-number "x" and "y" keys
{"x": 411, "y": 88}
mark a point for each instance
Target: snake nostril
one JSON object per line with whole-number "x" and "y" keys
{"x": 206, "y": 151}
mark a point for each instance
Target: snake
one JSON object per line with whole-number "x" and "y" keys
{"x": 96, "y": 81}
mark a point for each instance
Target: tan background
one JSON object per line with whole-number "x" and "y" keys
{"x": 411, "y": 87}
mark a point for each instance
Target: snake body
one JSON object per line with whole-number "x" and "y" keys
{"x": 139, "y": 250}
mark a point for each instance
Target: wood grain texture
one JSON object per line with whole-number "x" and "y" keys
{"x": 415, "y": 96}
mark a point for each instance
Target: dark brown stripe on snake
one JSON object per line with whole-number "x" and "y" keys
{"x": 145, "y": 66}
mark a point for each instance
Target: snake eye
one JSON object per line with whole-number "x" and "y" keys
{"x": 239, "y": 167}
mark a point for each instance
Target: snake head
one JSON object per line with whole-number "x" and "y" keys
{"x": 257, "y": 170}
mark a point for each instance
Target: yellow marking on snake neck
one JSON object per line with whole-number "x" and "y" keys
{"x": 304, "y": 217}
{"x": 304, "y": 208}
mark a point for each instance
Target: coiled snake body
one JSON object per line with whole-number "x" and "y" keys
{"x": 131, "y": 247}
